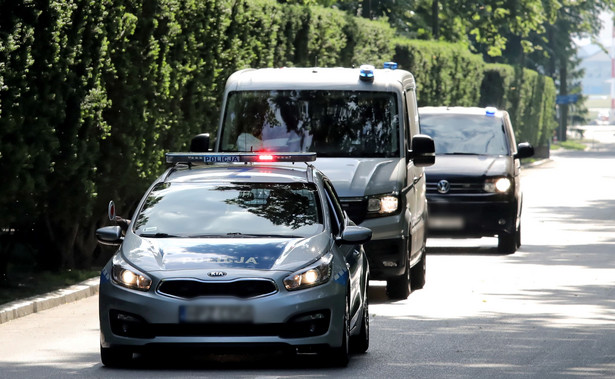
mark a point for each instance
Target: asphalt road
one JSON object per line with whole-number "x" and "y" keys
{"x": 546, "y": 311}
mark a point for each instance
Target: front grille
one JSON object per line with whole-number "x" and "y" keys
{"x": 356, "y": 209}
{"x": 191, "y": 288}
{"x": 457, "y": 188}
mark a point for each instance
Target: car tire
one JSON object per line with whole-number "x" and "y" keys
{"x": 507, "y": 243}
{"x": 418, "y": 273}
{"x": 115, "y": 357}
{"x": 340, "y": 356}
{"x": 360, "y": 342}
{"x": 398, "y": 288}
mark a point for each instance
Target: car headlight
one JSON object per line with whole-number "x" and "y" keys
{"x": 499, "y": 185}
{"x": 311, "y": 276}
{"x": 127, "y": 276}
{"x": 382, "y": 205}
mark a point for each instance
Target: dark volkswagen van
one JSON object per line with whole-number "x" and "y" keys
{"x": 474, "y": 190}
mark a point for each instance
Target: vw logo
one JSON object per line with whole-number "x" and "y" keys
{"x": 444, "y": 186}
{"x": 216, "y": 274}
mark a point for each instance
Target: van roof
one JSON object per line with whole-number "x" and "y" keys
{"x": 338, "y": 78}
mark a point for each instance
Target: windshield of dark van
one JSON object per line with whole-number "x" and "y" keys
{"x": 330, "y": 123}
{"x": 465, "y": 134}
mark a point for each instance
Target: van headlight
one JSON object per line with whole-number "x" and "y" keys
{"x": 497, "y": 185}
{"x": 311, "y": 276}
{"x": 127, "y": 276}
{"x": 382, "y": 205}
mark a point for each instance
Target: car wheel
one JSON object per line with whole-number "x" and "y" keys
{"x": 398, "y": 288}
{"x": 360, "y": 342}
{"x": 507, "y": 243}
{"x": 418, "y": 272}
{"x": 340, "y": 356}
{"x": 115, "y": 357}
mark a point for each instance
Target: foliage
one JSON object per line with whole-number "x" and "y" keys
{"x": 528, "y": 97}
{"x": 447, "y": 74}
{"x": 92, "y": 93}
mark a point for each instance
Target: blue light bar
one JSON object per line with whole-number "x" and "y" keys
{"x": 239, "y": 157}
{"x": 490, "y": 111}
{"x": 366, "y": 73}
{"x": 390, "y": 65}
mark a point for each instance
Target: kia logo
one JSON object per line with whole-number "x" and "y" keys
{"x": 444, "y": 186}
{"x": 216, "y": 274}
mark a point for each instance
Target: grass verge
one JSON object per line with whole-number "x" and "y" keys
{"x": 569, "y": 145}
{"x": 23, "y": 284}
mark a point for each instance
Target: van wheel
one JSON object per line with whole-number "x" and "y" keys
{"x": 507, "y": 243}
{"x": 398, "y": 288}
{"x": 418, "y": 273}
{"x": 518, "y": 239}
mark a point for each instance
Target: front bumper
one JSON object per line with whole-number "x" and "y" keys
{"x": 388, "y": 249}
{"x": 144, "y": 320}
{"x": 471, "y": 219}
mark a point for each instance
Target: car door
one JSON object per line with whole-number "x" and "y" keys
{"x": 415, "y": 178}
{"x": 351, "y": 253}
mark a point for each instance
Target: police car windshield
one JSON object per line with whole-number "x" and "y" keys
{"x": 330, "y": 123}
{"x": 230, "y": 210}
{"x": 463, "y": 134}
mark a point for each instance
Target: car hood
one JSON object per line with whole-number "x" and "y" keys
{"x": 171, "y": 254}
{"x": 447, "y": 166}
{"x": 355, "y": 177}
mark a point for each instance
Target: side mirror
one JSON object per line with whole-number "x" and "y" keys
{"x": 524, "y": 150}
{"x": 353, "y": 235}
{"x": 423, "y": 151}
{"x": 200, "y": 143}
{"x": 109, "y": 235}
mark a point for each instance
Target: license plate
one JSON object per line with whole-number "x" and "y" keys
{"x": 226, "y": 313}
{"x": 445, "y": 222}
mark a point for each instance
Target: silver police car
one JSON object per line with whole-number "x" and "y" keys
{"x": 236, "y": 249}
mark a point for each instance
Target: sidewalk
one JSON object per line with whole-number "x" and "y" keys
{"x": 24, "y": 307}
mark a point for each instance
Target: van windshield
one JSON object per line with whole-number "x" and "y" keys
{"x": 465, "y": 134}
{"x": 330, "y": 123}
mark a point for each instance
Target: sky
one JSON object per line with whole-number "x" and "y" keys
{"x": 605, "y": 33}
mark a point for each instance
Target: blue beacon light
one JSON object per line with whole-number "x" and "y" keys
{"x": 390, "y": 65}
{"x": 490, "y": 111}
{"x": 366, "y": 73}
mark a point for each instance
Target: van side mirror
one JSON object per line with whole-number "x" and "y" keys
{"x": 524, "y": 150}
{"x": 200, "y": 143}
{"x": 423, "y": 151}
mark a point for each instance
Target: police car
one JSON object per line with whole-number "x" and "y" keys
{"x": 236, "y": 249}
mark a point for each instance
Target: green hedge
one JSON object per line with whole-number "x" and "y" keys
{"x": 446, "y": 74}
{"x": 92, "y": 93}
{"x": 528, "y": 97}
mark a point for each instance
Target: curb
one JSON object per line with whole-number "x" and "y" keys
{"x": 24, "y": 307}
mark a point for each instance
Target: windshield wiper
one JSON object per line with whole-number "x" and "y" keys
{"x": 157, "y": 235}
{"x": 460, "y": 153}
{"x": 242, "y": 235}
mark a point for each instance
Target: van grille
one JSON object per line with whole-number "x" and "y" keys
{"x": 356, "y": 209}
{"x": 457, "y": 188}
